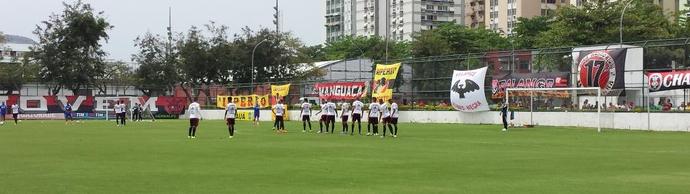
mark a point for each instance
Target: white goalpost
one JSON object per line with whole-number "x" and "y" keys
{"x": 532, "y": 90}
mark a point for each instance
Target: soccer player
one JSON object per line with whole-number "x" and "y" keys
{"x": 323, "y": 116}
{"x": 357, "y": 115}
{"x": 3, "y": 112}
{"x": 394, "y": 116}
{"x": 332, "y": 113}
{"x": 373, "y": 121}
{"x": 141, "y": 112}
{"x": 504, "y": 116}
{"x": 116, "y": 109}
{"x": 15, "y": 113}
{"x": 257, "y": 111}
{"x": 68, "y": 113}
{"x": 136, "y": 111}
{"x": 194, "y": 116}
{"x": 385, "y": 117}
{"x": 344, "y": 115}
{"x": 306, "y": 113}
{"x": 230, "y": 115}
{"x": 279, "y": 110}
{"x": 123, "y": 113}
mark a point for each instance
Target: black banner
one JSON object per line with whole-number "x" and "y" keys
{"x": 527, "y": 80}
{"x": 604, "y": 69}
{"x": 668, "y": 80}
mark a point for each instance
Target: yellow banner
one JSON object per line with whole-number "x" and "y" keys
{"x": 384, "y": 77}
{"x": 243, "y": 101}
{"x": 245, "y": 115}
{"x": 280, "y": 90}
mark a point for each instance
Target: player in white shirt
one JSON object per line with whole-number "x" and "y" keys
{"x": 119, "y": 116}
{"x": 386, "y": 117}
{"x": 344, "y": 115}
{"x": 374, "y": 113}
{"x": 323, "y": 116}
{"x": 279, "y": 111}
{"x": 123, "y": 113}
{"x": 15, "y": 113}
{"x": 357, "y": 115}
{"x": 331, "y": 111}
{"x": 394, "y": 116}
{"x": 230, "y": 115}
{"x": 194, "y": 116}
{"x": 306, "y": 115}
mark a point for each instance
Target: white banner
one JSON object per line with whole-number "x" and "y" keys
{"x": 467, "y": 91}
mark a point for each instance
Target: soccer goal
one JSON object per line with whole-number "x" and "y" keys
{"x": 555, "y": 100}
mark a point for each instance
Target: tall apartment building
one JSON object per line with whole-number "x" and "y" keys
{"x": 475, "y": 13}
{"x": 399, "y": 19}
{"x": 670, "y": 7}
{"x": 502, "y": 15}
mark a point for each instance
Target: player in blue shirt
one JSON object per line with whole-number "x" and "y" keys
{"x": 256, "y": 112}
{"x": 3, "y": 112}
{"x": 68, "y": 113}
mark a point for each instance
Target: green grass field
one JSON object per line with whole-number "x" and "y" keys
{"x": 97, "y": 157}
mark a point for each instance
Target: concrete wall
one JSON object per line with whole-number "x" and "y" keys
{"x": 633, "y": 121}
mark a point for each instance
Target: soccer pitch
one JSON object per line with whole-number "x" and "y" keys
{"x": 97, "y": 157}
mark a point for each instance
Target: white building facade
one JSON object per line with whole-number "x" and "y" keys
{"x": 396, "y": 19}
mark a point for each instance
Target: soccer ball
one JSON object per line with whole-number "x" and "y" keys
{"x": 2, "y": 122}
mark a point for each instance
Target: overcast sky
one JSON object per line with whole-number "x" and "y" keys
{"x": 131, "y": 18}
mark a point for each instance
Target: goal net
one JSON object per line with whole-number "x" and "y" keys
{"x": 556, "y": 106}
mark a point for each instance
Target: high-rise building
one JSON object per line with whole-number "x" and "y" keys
{"x": 475, "y": 13}
{"x": 670, "y": 7}
{"x": 397, "y": 19}
{"x": 502, "y": 15}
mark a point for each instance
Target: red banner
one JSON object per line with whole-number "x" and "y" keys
{"x": 341, "y": 90}
{"x": 668, "y": 80}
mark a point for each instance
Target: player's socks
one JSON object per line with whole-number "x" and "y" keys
{"x": 384, "y": 130}
{"x": 190, "y": 132}
{"x": 193, "y": 132}
{"x": 396, "y": 130}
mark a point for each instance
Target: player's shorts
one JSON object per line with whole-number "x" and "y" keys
{"x": 356, "y": 117}
{"x": 324, "y": 118}
{"x": 279, "y": 118}
{"x": 194, "y": 122}
{"x": 230, "y": 121}
{"x": 386, "y": 119}
{"x": 68, "y": 115}
{"x": 394, "y": 120}
{"x": 305, "y": 118}
{"x": 15, "y": 116}
{"x": 331, "y": 118}
{"x": 345, "y": 118}
{"x": 123, "y": 115}
{"x": 256, "y": 114}
{"x": 374, "y": 120}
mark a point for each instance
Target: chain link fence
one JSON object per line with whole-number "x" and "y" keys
{"x": 423, "y": 83}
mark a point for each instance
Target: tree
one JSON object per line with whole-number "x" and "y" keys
{"x": 2, "y": 38}
{"x": 314, "y": 53}
{"x": 598, "y": 23}
{"x": 373, "y": 47}
{"x": 447, "y": 39}
{"x": 278, "y": 59}
{"x": 117, "y": 74}
{"x": 69, "y": 50}
{"x": 157, "y": 70}
{"x": 527, "y": 30}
